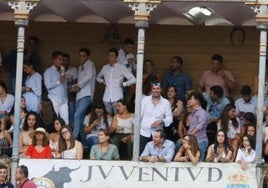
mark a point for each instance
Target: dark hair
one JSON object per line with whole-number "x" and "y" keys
{"x": 3, "y": 85}
{"x": 217, "y": 57}
{"x": 128, "y": 41}
{"x": 62, "y": 142}
{"x": 25, "y": 124}
{"x": 124, "y": 103}
{"x": 24, "y": 170}
{"x": 30, "y": 64}
{"x": 93, "y": 115}
{"x": 85, "y": 50}
{"x": 225, "y": 143}
{"x": 56, "y": 54}
{"x": 250, "y": 117}
{"x": 113, "y": 50}
{"x": 173, "y": 105}
{"x": 178, "y": 59}
{"x": 3, "y": 166}
{"x": 62, "y": 123}
{"x": 251, "y": 140}
{"x": 217, "y": 90}
{"x": 225, "y": 118}
{"x": 197, "y": 96}
{"x": 245, "y": 90}
{"x": 147, "y": 83}
{"x": 33, "y": 38}
{"x": 47, "y": 114}
{"x": 66, "y": 55}
{"x": 162, "y": 133}
{"x": 150, "y": 61}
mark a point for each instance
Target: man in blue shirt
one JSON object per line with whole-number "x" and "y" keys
{"x": 215, "y": 105}
{"x": 158, "y": 150}
{"x": 176, "y": 77}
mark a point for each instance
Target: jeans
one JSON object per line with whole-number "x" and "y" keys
{"x": 203, "y": 148}
{"x": 143, "y": 141}
{"x": 81, "y": 106}
{"x": 92, "y": 140}
{"x": 71, "y": 112}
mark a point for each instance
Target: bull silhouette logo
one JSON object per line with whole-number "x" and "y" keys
{"x": 60, "y": 176}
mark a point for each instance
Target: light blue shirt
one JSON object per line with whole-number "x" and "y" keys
{"x": 215, "y": 109}
{"x": 57, "y": 91}
{"x": 242, "y": 106}
{"x": 166, "y": 151}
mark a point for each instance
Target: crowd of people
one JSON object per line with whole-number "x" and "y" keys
{"x": 177, "y": 123}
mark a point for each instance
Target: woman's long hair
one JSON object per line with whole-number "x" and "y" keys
{"x": 93, "y": 115}
{"x": 225, "y": 118}
{"x": 62, "y": 142}
{"x": 47, "y": 113}
{"x": 25, "y": 124}
{"x": 226, "y": 143}
{"x": 193, "y": 143}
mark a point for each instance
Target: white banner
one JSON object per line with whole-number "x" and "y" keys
{"x": 130, "y": 174}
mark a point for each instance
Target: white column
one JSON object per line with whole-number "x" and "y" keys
{"x": 142, "y": 9}
{"x": 21, "y": 13}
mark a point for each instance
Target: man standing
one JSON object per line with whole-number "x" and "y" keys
{"x": 177, "y": 78}
{"x": 30, "y": 55}
{"x": 113, "y": 75}
{"x": 126, "y": 56}
{"x": 55, "y": 82}
{"x": 198, "y": 122}
{"x": 158, "y": 150}
{"x": 71, "y": 77}
{"x": 22, "y": 177}
{"x": 84, "y": 90}
{"x": 217, "y": 75}
{"x": 155, "y": 113}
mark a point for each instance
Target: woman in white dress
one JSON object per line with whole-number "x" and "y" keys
{"x": 69, "y": 148}
{"x": 32, "y": 90}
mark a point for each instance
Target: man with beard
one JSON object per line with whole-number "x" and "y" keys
{"x": 155, "y": 113}
{"x": 177, "y": 78}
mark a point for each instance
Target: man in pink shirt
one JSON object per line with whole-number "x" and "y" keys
{"x": 217, "y": 75}
{"x": 22, "y": 177}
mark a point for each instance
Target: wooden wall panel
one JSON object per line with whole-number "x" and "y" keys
{"x": 195, "y": 44}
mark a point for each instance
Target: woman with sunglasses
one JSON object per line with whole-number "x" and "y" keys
{"x": 189, "y": 151}
{"x": 220, "y": 151}
{"x": 69, "y": 148}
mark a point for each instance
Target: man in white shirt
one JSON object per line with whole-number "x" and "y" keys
{"x": 71, "y": 77}
{"x": 155, "y": 113}
{"x": 84, "y": 90}
{"x": 55, "y": 82}
{"x": 126, "y": 56}
{"x": 113, "y": 75}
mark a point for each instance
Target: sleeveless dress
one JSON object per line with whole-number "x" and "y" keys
{"x": 69, "y": 154}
